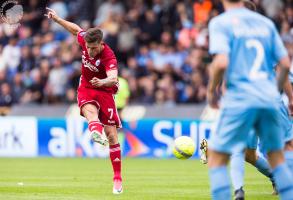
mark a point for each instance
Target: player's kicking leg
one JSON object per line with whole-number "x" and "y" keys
{"x": 115, "y": 156}
{"x": 237, "y": 170}
{"x": 90, "y": 112}
{"x": 288, "y": 152}
{"x": 204, "y": 151}
{"x": 237, "y": 160}
{"x": 288, "y": 130}
{"x": 261, "y": 164}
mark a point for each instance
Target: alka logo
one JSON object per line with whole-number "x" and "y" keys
{"x": 11, "y": 13}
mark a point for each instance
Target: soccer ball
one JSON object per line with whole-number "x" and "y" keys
{"x": 183, "y": 147}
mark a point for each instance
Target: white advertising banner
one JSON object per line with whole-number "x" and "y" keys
{"x": 18, "y": 137}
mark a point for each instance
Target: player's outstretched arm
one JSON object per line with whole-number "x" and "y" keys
{"x": 69, "y": 26}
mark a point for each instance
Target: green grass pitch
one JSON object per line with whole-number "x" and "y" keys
{"x": 91, "y": 179}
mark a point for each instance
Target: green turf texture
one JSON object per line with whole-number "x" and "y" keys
{"x": 91, "y": 179}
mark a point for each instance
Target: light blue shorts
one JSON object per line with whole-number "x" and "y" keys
{"x": 286, "y": 125}
{"x": 232, "y": 132}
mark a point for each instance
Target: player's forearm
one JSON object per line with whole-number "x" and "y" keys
{"x": 215, "y": 79}
{"x": 110, "y": 81}
{"x": 284, "y": 66}
{"x": 69, "y": 26}
{"x": 287, "y": 88}
{"x": 218, "y": 68}
{"x": 283, "y": 75}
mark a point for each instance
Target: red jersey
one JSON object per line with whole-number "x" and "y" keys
{"x": 97, "y": 66}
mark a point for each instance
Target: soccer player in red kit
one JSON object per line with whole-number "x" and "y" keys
{"x": 95, "y": 94}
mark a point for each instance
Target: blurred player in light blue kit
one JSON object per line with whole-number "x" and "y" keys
{"x": 251, "y": 155}
{"x": 245, "y": 45}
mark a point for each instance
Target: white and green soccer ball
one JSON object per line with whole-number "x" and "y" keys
{"x": 184, "y": 147}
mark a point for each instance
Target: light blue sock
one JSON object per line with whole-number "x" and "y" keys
{"x": 289, "y": 159}
{"x": 237, "y": 170}
{"x": 220, "y": 184}
{"x": 284, "y": 181}
{"x": 263, "y": 167}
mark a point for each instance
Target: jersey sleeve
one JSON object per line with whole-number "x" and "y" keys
{"x": 279, "y": 50}
{"x": 80, "y": 36}
{"x": 111, "y": 64}
{"x": 218, "y": 38}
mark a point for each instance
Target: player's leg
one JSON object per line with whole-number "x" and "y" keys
{"x": 288, "y": 131}
{"x": 282, "y": 174}
{"x": 89, "y": 108}
{"x": 261, "y": 164}
{"x": 289, "y": 154}
{"x": 258, "y": 161}
{"x": 268, "y": 128}
{"x": 237, "y": 167}
{"x": 111, "y": 121}
{"x": 230, "y": 136}
{"x": 219, "y": 177}
{"x": 91, "y": 113}
{"x": 115, "y": 157}
{"x": 237, "y": 174}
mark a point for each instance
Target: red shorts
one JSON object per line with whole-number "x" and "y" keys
{"x": 104, "y": 101}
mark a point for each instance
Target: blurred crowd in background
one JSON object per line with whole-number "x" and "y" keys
{"x": 161, "y": 46}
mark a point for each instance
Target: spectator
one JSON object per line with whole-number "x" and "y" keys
{"x": 150, "y": 28}
{"x": 71, "y": 96}
{"x": 106, "y": 9}
{"x": 2, "y": 64}
{"x": 56, "y": 85}
{"x": 6, "y": 97}
{"x": 11, "y": 57}
{"x": 2, "y": 77}
{"x": 272, "y": 7}
{"x": 35, "y": 93}
{"x": 18, "y": 88}
{"x": 201, "y": 10}
{"x": 26, "y": 60}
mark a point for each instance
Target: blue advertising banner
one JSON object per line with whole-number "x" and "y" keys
{"x": 47, "y": 130}
{"x": 67, "y": 138}
{"x": 143, "y": 138}
{"x": 155, "y": 137}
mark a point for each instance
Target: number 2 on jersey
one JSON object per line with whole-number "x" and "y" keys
{"x": 255, "y": 72}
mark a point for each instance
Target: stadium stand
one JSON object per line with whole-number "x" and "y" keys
{"x": 161, "y": 46}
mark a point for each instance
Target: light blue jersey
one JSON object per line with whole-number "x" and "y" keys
{"x": 251, "y": 100}
{"x": 253, "y": 45}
